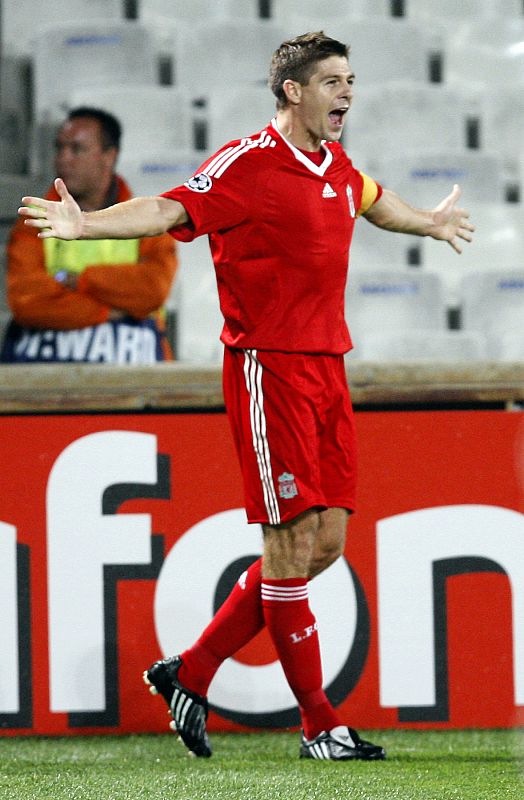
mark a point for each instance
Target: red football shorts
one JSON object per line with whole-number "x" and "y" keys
{"x": 294, "y": 430}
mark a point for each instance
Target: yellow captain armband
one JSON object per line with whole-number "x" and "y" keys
{"x": 370, "y": 192}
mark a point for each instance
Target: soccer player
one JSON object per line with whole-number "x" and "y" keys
{"x": 279, "y": 208}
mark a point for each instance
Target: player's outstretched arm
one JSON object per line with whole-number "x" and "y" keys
{"x": 63, "y": 219}
{"x": 446, "y": 221}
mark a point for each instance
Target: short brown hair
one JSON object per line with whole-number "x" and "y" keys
{"x": 296, "y": 58}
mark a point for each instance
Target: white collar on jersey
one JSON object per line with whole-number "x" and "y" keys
{"x": 318, "y": 169}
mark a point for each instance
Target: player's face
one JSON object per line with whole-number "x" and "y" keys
{"x": 80, "y": 158}
{"x": 326, "y": 98}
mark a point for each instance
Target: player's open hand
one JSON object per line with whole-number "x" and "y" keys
{"x": 58, "y": 218}
{"x": 451, "y": 223}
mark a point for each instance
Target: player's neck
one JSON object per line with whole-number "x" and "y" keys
{"x": 295, "y": 132}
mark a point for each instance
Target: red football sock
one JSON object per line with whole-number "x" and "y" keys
{"x": 293, "y": 629}
{"x": 236, "y": 622}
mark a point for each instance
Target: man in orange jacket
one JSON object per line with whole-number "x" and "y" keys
{"x": 98, "y": 301}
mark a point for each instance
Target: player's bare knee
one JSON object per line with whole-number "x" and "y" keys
{"x": 288, "y": 549}
{"x": 325, "y": 554}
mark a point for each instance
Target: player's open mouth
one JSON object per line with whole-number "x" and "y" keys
{"x": 336, "y": 116}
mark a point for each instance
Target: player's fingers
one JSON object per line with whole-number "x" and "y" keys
{"x": 37, "y": 223}
{"x": 48, "y": 233}
{"x": 61, "y": 188}
{"x": 40, "y": 202}
{"x": 465, "y": 234}
{"x": 33, "y": 212}
{"x": 456, "y": 192}
{"x": 454, "y": 244}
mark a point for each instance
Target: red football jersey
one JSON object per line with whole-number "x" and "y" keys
{"x": 280, "y": 227}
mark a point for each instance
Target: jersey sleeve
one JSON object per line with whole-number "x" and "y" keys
{"x": 371, "y": 192}
{"x": 217, "y": 196}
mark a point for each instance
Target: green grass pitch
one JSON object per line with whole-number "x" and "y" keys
{"x": 421, "y": 765}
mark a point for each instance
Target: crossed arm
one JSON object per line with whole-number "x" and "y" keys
{"x": 151, "y": 216}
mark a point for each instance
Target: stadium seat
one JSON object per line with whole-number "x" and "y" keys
{"x": 425, "y": 177}
{"x": 501, "y": 122}
{"x": 231, "y": 113}
{"x": 21, "y": 22}
{"x": 483, "y": 66}
{"x": 156, "y": 172}
{"x": 497, "y": 33}
{"x": 303, "y": 15}
{"x": 494, "y": 304}
{"x": 428, "y": 10}
{"x": 197, "y": 10}
{"x": 507, "y": 346}
{"x": 498, "y": 244}
{"x": 79, "y": 55}
{"x": 153, "y": 117}
{"x": 224, "y": 53}
{"x": 195, "y": 297}
{"x": 376, "y": 248}
{"x": 389, "y": 117}
{"x": 420, "y": 344}
{"x": 388, "y": 300}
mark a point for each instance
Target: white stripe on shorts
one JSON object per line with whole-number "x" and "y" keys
{"x": 253, "y": 377}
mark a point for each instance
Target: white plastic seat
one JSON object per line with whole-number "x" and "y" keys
{"x": 195, "y": 296}
{"x": 498, "y": 244}
{"x": 232, "y": 113}
{"x": 425, "y": 177}
{"x": 387, "y": 118}
{"x": 300, "y": 12}
{"x": 197, "y": 10}
{"x": 79, "y": 55}
{"x": 482, "y": 66}
{"x": 507, "y": 346}
{"x": 152, "y": 117}
{"x": 376, "y": 248}
{"x": 22, "y": 21}
{"x": 463, "y": 10}
{"x": 494, "y": 303}
{"x": 224, "y": 53}
{"x": 501, "y": 122}
{"x": 496, "y": 33}
{"x": 420, "y": 344}
{"x": 157, "y": 172}
{"x": 387, "y": 300}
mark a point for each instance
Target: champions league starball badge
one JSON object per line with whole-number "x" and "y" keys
{"x": 199, "y": 183}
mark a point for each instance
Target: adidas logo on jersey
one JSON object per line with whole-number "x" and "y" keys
{"x": 328, "y": 191}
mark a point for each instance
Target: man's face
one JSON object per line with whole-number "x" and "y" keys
{"x": 326, "y": 98}
{"x": 80, "y": 159}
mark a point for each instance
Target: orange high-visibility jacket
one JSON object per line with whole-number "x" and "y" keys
{"x": 138, "y": 289}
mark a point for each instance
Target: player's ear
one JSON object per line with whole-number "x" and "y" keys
{"x": 293, "y": 91}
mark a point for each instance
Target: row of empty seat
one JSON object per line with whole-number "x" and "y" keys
{"x": 392, "y": 314}
{"x": 213, "y": 53}
{"x": 19, "y": 22}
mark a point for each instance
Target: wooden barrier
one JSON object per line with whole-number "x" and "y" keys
{"x": 56, "y": 388}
